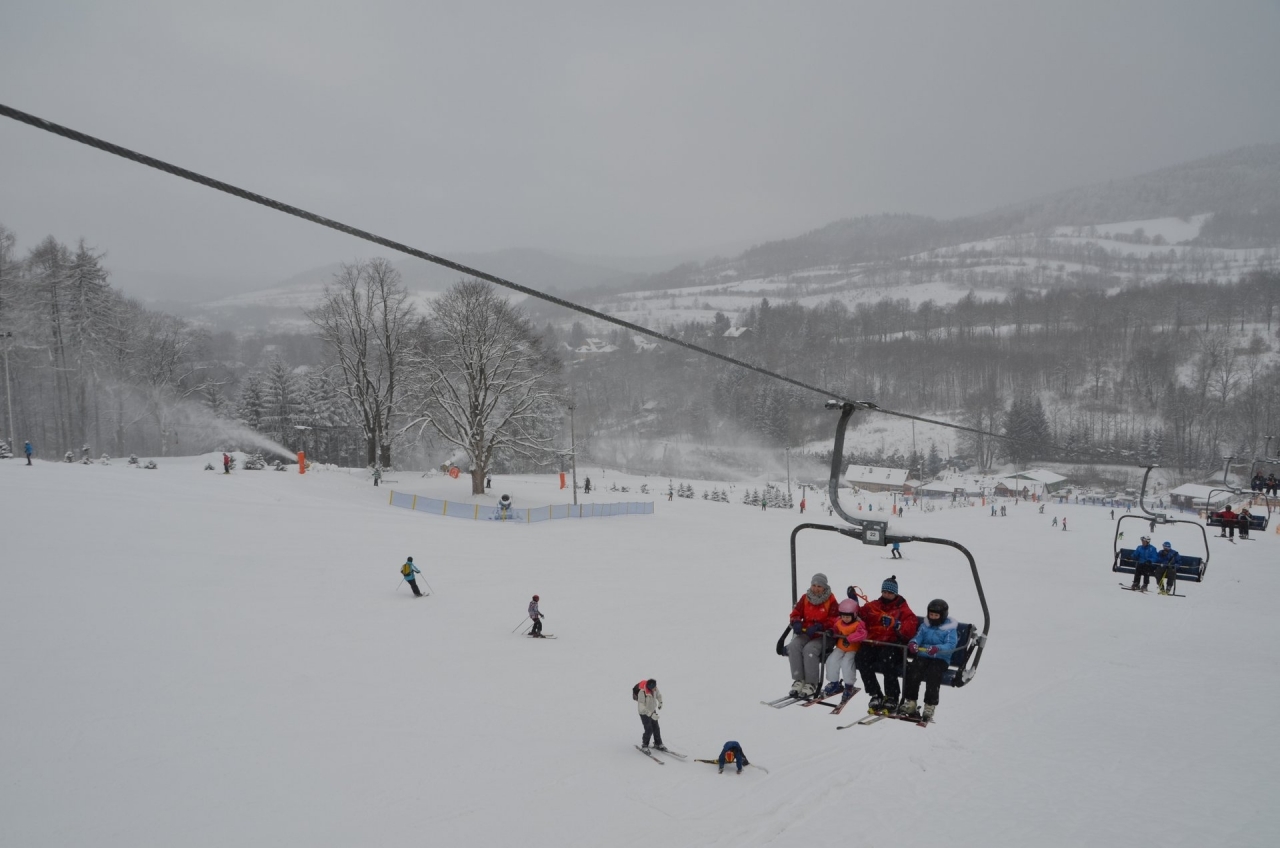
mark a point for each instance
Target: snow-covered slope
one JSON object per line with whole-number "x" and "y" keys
{"x": 206, "y": 660}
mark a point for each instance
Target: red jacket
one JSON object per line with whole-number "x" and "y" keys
{"x": 807, "y": 613}
{"x": 890, "y": 622}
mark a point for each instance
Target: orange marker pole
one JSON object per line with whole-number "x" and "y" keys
{"x": 302, "y": 462}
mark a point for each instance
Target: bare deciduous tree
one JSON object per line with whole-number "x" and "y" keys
{"x": 364, "y": 319}
{"x": 488, "y": 386}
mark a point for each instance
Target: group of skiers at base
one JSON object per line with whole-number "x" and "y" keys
{"x": 870, "y": 639}
{"x": 1163, "y": 563}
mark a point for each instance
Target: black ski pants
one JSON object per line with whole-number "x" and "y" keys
{"x": 1142, "y": 571}
{"x": 650, "y": 729}
{"x": 537, "y": 627}
{"x": 886, "y": 660}
{"x": 413, "y": 584}
{"x": 930, "y": 670}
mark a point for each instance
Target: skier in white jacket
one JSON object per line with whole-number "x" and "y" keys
{"x": 648, "y": 702}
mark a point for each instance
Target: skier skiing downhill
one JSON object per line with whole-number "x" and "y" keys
{"x": 891, "y": 622}
{"x": 648, "y": 702}
{"x": 408, "y": 570}
{"x": 536, "y": 632}
{"x": 931, "y": 648}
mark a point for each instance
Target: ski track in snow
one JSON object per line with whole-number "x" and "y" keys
{"x": 200, "y": 660}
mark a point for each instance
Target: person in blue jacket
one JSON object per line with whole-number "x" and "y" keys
{"x": 732, "y": 753}
{"x": 1145, "y": 557}
{"x": 26, "y": 448}
{"x": 1167, "y": 573}
{"x": 931, "y": 650}
{"x": 408, "y": 570}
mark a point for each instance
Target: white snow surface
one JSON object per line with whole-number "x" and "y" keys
{"x": 198, "y": 659}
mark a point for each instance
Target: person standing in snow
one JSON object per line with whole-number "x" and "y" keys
{"x": 1144, "y": 561}
{"x": 851, "y": 631}
{"x": 890, "y": 625}
{"x": 732, "y": 753}
{"x": 648, "y": 702}
{"x": 226, "y": 463}
{"x": 536, "y": 632}
{"x": 896, "y": 551}
{"x": 931, "y": 651}
{"x": 408, "y": 570}
{"x": 377, "y": 475}
{"x": 26, "y": 448}
{"x": 586, "y": 488}
{"x": 812, "y": 616}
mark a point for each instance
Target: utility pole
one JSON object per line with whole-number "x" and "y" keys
{"x": 8, "y": 396}
{"x": 573, "y": 454}
{"x": 788, "y": 452}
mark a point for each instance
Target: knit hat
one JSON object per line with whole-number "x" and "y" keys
{"x": 820, "y": 579}
{"x": 890, "y": 585}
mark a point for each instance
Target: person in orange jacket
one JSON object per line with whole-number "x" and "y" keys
{"x": 851, "y": 631}
{"x": 812, "y": 616}
{"x": 890, "y": 622}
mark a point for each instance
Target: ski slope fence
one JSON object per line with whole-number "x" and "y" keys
{"x": 527, "y": 515}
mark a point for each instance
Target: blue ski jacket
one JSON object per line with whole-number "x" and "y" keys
{"x": 408, "y": 570}
{"x": 1146, "y": 553}
{"x": 944, "y": 637}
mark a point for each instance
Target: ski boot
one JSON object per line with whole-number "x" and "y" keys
{"x": 927, "y": 715}
{"x": 848, "y": 693}
{"x": 874, "y": 705}
{"x": 889, "y": 707}
{"x": 910, "y": 711}
{"x": 833, "y": 688}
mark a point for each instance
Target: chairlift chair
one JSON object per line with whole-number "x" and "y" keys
{"x": 1123, "y": 561}
{"x": 969, "y": 642}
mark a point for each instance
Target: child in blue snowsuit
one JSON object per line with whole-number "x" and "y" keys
{"x": 732, "y": 753}
{"x": 931, "y": 649}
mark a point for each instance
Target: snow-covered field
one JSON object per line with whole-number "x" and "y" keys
{"x": 205, "y": 660}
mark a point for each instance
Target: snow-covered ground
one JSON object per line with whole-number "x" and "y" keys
{"x": 197, "y": 659}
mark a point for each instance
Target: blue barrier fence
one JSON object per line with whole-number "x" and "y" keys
{"x": 526, "y": 515}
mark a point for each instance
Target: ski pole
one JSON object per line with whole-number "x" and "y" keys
{"x": 398, "y": 587}
{"x": 518, "y": 626}
{"x": 424, "y": 580}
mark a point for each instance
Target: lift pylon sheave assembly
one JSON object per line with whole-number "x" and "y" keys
{"x": 1123, "y": 560}
{"x": 970, "y": 642}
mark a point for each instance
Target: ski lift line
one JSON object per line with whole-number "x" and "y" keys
{"x": 209, "y": 182}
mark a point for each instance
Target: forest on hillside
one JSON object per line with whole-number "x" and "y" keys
{"x": 1177, "y": 373}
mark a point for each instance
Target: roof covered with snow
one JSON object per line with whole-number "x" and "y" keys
{"x": 879, "y": 476}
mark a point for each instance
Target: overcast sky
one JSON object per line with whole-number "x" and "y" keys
{"x": 593, "y": 128}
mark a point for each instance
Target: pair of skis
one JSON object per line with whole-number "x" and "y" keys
{"x": 649, "y": 753}
{"x": 874, "y": 717}
{"x": 789, "y": 700}
{"x": 1129, "y": 588}
{"x": 541, "y": 636}
{"x": 749, "y": 765}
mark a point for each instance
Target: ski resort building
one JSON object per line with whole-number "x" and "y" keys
{"x": 1194, "y": 495}
{"x": 871, "y": 479}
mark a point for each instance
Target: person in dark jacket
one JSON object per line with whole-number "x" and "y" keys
{"x": 1166, "y": 568}
{"x": 536, "y": 631}
{"x": 1243, "y": 520}
{"x": 890, "y": 625}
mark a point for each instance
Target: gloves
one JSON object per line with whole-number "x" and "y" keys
{"x": 912, "y": 647}
{"x": 795, "y": 627}
{"x": 933, "y": 651}
{"x": 813, "y": 630}
{"x": 654, "y": 717}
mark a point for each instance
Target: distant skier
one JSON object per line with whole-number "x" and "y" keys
{"x": 226, "y": 463}
{"x": 896, "y": 551}
{"x": 931, "y": 648}
{"x": 408, "y": 570}
{"x": 1064, "y": 522}
{"x": 648, "y": 702}
{"x": 536, "y": 632}
{"x": 586, "y": 488}
{"x": 377, "y": 475}
{"x": 26, "y": 448}
{"x": 1055, "y": 521}
{"x": 802, "y": 504}
{"x": 732, "y": 753}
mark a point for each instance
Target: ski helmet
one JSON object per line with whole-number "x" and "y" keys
{"x": 1167, "y": 545}
{"x": 535, "y": 597}
{"x": 1146, "y": 539}
{"x": 939, "y": 606}
{"x": 848, "y": 607}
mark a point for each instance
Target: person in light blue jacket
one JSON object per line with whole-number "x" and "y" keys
{"x": 1145, "y": 557}
{"x": 408, "y": 570}
{"x": 931, "y": 649}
